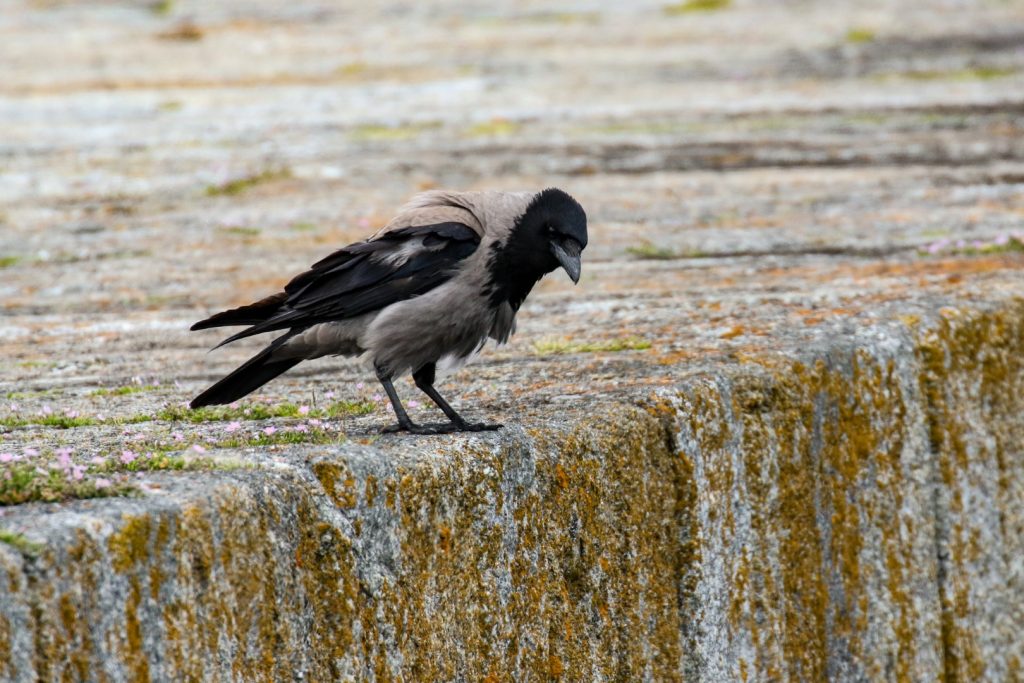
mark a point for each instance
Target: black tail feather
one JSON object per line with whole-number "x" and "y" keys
{"x": 248, "y": 377}
{"x": 244, "y": 315}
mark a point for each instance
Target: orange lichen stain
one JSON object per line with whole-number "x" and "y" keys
{"x": 137, "y": 662}
{"x": 342, "y": 491}
{"x": 128, "y": 546}
{"x": 617, "y": 464}
{"x": 555, "y": 666}
{"x": 732, "y": 333}
{"x": 371, "y": 490}
{"x": 910, "y": 320}
{"x": 967, "y": 346}
{"x": 673, "y": 357}
{"x": 561, "y": 477}
{"x": 860, "y": 449}
{"x": 962, "y": 266}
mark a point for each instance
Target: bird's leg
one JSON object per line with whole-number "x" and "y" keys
{"x": 424, "y": 378}
{"x": 404, "y": 423}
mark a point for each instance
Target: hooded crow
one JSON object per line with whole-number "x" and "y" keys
{"x": 449, "y": 271}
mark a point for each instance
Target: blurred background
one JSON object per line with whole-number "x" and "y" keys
{"x": 768, "y": 183}
{"x": 161, "y": 160}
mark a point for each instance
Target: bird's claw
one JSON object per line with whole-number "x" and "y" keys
{"x": 479, "y": 427}
{"x": 442, "y": 428}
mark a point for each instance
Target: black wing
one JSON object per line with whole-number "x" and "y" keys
{"x": 367, "y": 276}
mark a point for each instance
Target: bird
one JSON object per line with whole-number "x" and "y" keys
{"x": 447, "y": 273}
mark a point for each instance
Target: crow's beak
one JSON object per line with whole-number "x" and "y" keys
{"x": 567, "y": 252}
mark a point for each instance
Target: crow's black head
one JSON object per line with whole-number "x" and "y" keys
{"x": 551, "y": 232}
{"x": 555, "y": 225}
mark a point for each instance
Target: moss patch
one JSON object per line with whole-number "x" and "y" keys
{"x": 20, "y": 543}
{"x": 125, "y": 390}
{"x": 979, "y": 73}
{"x": 860, "y": 35}
{"x": 493, "y": 128}
{"x": 237, "y": 186}
{"x": 241, "y": 231}
{"x": 261, "y": 411}
{"x": 548, "y": 347}
{"x": 696, "y": 6}
{"x": 27, "y": 484}
{"x": 56, "y": 420}
{"x": 652, "y": 252}
{"x": 382, "y": 133}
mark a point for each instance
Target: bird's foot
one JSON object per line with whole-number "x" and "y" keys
{"x": 413, "y": 428}
{"x": 478, "y": 427}
{"x": 439, "y": 428}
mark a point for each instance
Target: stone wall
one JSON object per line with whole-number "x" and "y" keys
{"x": 851, "y": 513}
{"x": 774, "y": 434}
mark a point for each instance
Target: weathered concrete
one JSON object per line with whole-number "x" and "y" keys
{"x": 775, "y": 433}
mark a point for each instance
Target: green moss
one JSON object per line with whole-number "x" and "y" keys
{"x": 8, "y": 261}
{"x": 241, "y": 231}
{"x": 240, "y": 185}
{"x": 549, "y": 347}
{"x": 157, "y": 462}
{"x": 256, "y": 411}
{"x": 260, "y": 411}
{"x": 642, "y": 127}
{"x": 57, "y": 420}
{"x": 344, "y": 408}
{"x": 1012, "y": 245}
{"x": 692, "y": 6}
{"x": 980, "y": 73}
{"x": 34, "y": 393}
{"x": 352, "y": 69}
{"x": 648, "y": 251}
{"x": 37, "y": 364}
{"x": 860, "y": 35}
{"x": 279, "y": 438}
{"x": 545, "y": 17}
{"x": 124, "y": 390}
{"x": 493, "y": 128}
{"x": 381, "y": 133}
{"x": 20, "y": 543}
{"x": 26, "y": 485}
